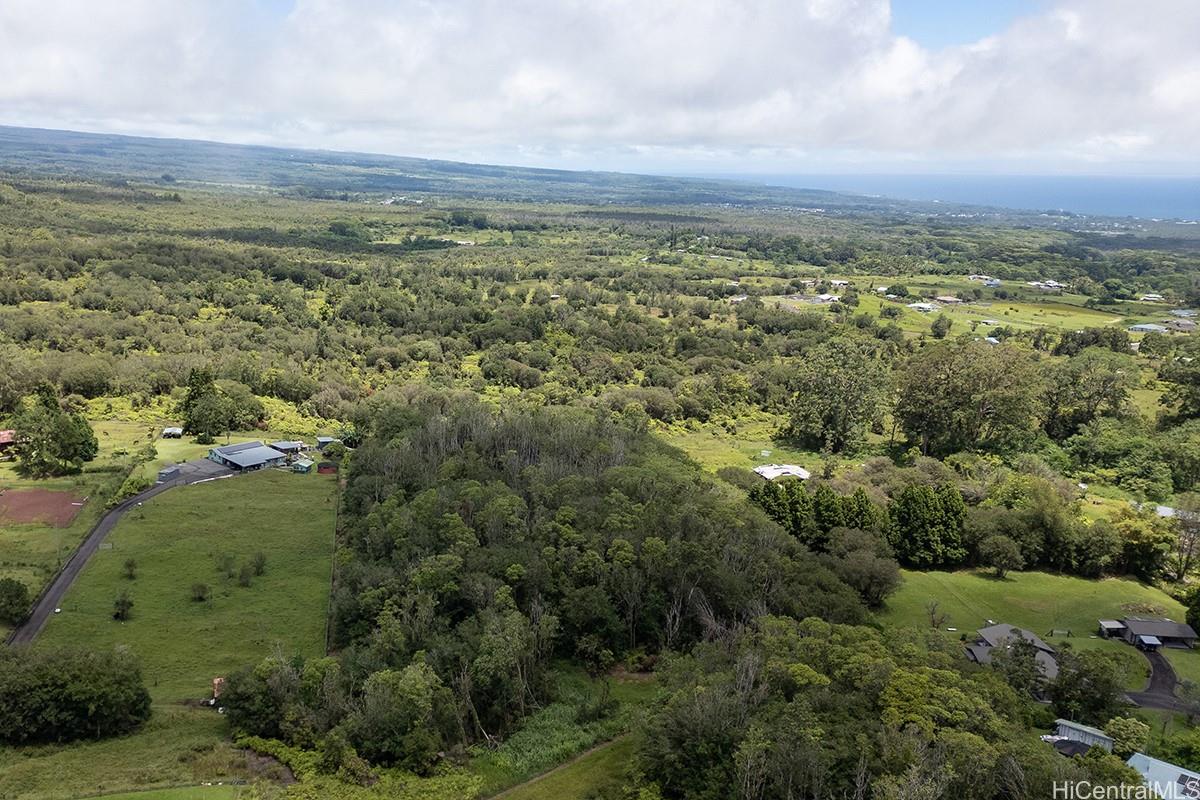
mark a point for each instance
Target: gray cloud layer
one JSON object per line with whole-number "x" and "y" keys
{"x": 1085, "y": 85}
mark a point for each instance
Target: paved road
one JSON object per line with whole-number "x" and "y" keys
{"x": 1160, "y": 691}
{"x": 189, "y": 472}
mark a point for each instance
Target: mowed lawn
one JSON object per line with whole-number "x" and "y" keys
{"x": 1042, "y": 603}
{"x": 1035, "y": 600}
{"x": 180, "y": 539}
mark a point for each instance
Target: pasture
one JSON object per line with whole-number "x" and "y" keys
{"x": 1039, "y": 602}
{"x": 177, "y": 747}
{"x": 204, "y": 535}
{"x": 38, "y": 538}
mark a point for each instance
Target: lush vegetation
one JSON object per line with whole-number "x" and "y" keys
{"x": 60, "y": 695}
{"x": 515, "y": 528}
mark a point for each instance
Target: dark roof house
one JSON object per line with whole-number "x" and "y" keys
{"x": 1153, "y": 632}
{"x": 1003, "y": 636}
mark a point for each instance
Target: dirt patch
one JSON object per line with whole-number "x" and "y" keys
{"x": 39, "y": 505}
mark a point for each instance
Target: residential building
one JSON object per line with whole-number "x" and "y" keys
{"x": 246, "y": 456}
{"x": 1164, "y": 779}
{"x": 1002, "y": 635}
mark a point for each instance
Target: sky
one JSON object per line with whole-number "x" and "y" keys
{"x": 1096, "y": 87}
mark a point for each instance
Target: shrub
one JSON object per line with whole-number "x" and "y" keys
{"x": 200, "y": 592}
{"x": 14, "y": 600}
{"x": 122, "y": 606}
{"x": 60, "y": 695}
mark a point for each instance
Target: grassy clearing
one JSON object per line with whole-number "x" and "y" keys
{"x": 1035, "y": 600}
{"x": 1186, "y": 663}
{"x": 177, "y": 746}
{"x": 744, "y": 445}
{"x": 553, "y": 736}
{"x": 177, "y": 540}
{"x": 33, "y": 552}
{"x": 600, "y": 771}
{"x": 182, "y": 793}
{"x": 1039, "y": 602}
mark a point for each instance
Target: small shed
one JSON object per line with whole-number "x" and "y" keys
{"x": 325, "y": 441}
{"x": 1075, "y": 732}
{"x": 327, "y": 468}
{"x": 304, "y": 465}
{"x": 172, "y": 433}
{"x": 1112, "y": 629}
{"x": 773, "y": 471}
{"x": 7, "y": 439}
{"x": 168, "y": 474}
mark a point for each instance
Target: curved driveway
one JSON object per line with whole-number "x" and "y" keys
{"x": 190, "y": 472}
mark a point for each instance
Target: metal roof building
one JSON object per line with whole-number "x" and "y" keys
{"x": 245, "y": 456}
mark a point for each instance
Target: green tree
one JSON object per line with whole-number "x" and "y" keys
{"x": 1129, "y": 735}
{"x": 14, "y": 600}
{"x": 958, "y": 395}
{"x": 940, "y": 326}
{"x": 927, "y": 526}
{"x": 837, "y": 391}
{"x": 1001, "y": 554}
{"x": 1089, "y": 686}
{"x": 122, "y": 606}
{"x": 49, "y": 440}
{"x": 1094, "y": 383}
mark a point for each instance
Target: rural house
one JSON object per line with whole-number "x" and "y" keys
{"x": 246, "y": 456}
{"x": 288, "y": 447}
{"x": 1147, "y": 633}
{"x": 1073, "y": 738}
{"x": 7, "y": 439}
{"x": 1003, "y": 636}
{"x": 1165, "y": 779}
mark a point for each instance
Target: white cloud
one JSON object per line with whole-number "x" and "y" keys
{"x": 642, "y": 84}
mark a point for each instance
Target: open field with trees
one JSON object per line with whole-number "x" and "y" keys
{"x": 548, "y": 532}
{"x": 209, "y": 535}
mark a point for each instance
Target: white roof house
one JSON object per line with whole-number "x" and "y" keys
{"x": 1152, "y": 298}
{"x": 924, "y": 308}
{"x": 1164, "y": 779}
{"x": 1148, "y": 327}
{"x": 773, "y": 471}
{"x": 839, "y": 283}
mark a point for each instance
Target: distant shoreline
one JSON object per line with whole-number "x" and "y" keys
{"x": 1115, "y": 196}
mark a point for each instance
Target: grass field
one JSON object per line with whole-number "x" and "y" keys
{"x": 177, "y": 540}
{"x": 178, "y": 746}
{"x": 714, "y": 447}
{"x": 1039, "y": 602}
{"x": 553, "y": 736}
{"x": 182, "y": 793}
{"x": 602, "y": 769}
{"x": 33, "y": 552}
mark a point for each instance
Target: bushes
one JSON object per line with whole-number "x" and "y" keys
{"x": 14, "y": 600}
{"x": 58, "y": 696}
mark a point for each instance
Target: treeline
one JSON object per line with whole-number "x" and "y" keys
{"x": 478, "y": 547}
{"x": 787, "y": 708}
{"x": 63, "y": 695}
{"x": 969, "y": 511}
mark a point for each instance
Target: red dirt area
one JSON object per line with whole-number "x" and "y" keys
{"x": 39, "y": 505}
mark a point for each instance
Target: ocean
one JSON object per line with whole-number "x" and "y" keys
{"x": 1145, "y": 197}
